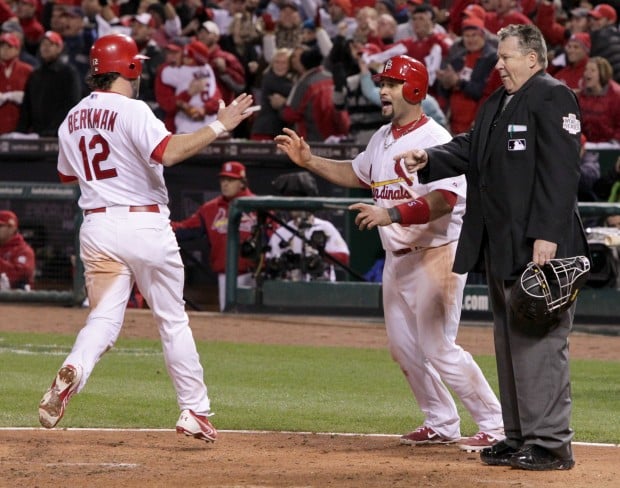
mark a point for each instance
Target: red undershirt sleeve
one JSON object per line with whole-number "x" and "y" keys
{"x": 158, "y": 153}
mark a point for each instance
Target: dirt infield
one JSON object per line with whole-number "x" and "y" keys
{"x": 40, "y": 458}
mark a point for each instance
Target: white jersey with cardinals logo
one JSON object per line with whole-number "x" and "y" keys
{"x": 391, "y": 185}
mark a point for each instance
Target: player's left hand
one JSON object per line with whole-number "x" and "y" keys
{"x": 370, "y": 216}
{"x": 232, "y": 115}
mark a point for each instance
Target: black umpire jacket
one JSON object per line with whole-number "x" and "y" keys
{"x": 522, "y": 169}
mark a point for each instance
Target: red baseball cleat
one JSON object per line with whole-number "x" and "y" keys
{"x": 52, "y": 405}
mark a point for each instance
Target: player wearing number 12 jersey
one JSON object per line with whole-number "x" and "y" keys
{"x": 116, "y": 149}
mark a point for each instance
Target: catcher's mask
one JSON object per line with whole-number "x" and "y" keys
{"x": 542, "y": 293}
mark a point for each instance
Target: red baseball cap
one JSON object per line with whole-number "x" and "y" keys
{"x": 54, "y": 38}
{"x": 10, "y": 39}
{"x": 8, "y": 218}
{"x": 233, "y": 169}
{"x": 173, "y": 46}
{"x": 604, "y": 10}
{"x": 474, "y": 10}
{"x": 582, "y": 38}
{"x": 197, "y": 51}
{"x": 471, "y": 22}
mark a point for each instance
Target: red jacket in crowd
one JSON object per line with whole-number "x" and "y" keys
{"x": 311, "y": 108}
{"x": 13, "y": 77}
{"x": 234, "y": 70}
{"x": 17, "y": 262}
{"x": 211, "y": 219}
{"x": 572, "y": 74}
{"x": 600, "y": 114}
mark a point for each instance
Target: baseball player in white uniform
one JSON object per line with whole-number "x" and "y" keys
{"x": 116, "y": 149}
{"x": 419, "y": 227}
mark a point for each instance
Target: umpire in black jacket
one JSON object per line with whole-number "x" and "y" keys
{"x": 521, "y": 160}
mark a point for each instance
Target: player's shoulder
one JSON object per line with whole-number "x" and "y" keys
{"x": 433, "y": 133}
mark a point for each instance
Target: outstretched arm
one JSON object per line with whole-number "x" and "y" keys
{"x": 183, "y": 146}
{"x": 297, "y": 149}
{"x": 422, "y": 210}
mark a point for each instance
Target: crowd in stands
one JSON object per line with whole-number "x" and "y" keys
{"x": 308, "y": 63}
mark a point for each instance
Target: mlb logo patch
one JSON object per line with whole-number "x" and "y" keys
{"x": 516, "y": 144}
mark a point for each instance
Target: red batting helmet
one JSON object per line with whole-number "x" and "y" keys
{"x": 409, "y": 70}
{"x": 116, "y": 53}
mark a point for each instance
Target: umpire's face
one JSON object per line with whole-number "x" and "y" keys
{"x": 515, "y": 67}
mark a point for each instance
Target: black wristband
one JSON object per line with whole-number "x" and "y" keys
{"x": 394, "y": 215}
{"x": 103, "y": 3}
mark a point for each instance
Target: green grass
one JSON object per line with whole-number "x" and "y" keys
{"x": 263, "y": 387}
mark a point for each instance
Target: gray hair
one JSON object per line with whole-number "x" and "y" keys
{"x": 530, "y": 40}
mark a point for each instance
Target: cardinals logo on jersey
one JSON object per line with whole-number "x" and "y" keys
{"x": 400, "y": 171}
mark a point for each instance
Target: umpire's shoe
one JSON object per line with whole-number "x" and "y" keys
{"x": 536, "y": 458}
{"x": 197, "y": 426}
{"x": 52, "y": 405}
{"x": 498, "y": 455}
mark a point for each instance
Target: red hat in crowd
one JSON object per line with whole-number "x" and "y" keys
{"x": 173, "y": 46}
{"x": 8, "y": 218}
{"x": 10, "y": 39}
{"x": 582, "y": 38}
{"x": 471, "y": 22}
{"x": 475, "y": 10}
{"x": 604, "y": 10}
{"x": 345, "y": 5}
{"x": 233, "y": 169}
{"x": 197, "y": 51}
{"x": 54, "y": 38}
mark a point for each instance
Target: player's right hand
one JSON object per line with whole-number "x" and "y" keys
{"x": 232, "y": 115}
{"x": 414, "y": 160}
{"x": 295, "y": 147}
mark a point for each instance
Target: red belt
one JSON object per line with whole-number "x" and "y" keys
{"x": 402, "y": 252}
{"x": 153, "y": 208}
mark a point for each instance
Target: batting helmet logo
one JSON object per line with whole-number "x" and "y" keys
{"x": 411, "y": 72}
{"x": 544, "y": 292}
{"x": 116, "y": 53}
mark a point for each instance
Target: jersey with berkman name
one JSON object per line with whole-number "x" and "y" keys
{"x": 112, "y": 145}
{"x": 391, "y": 185}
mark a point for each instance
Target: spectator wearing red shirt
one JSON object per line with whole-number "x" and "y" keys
{"x": 577, "y": 52}
{"x": 13, "y": 77}
{"x": 6, "y": 13}
{"x": 505, "y": 13}
{"x": 229, "y": 72}
{"x": 599, "y": 100}
{"x": 429, "y": 46}
{"x": 310, "y": 105}
{"x": 556, "y": 33}
{"x": 211, "y": 221}
{"x": 17, "y": 261}
{"x": 465, "y": 78}
{"x": 165, "y": 94}
{"x": 26, "y": 11}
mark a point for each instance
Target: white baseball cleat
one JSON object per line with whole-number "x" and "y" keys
{"x": 196, "y": 426}
{"x": 52, "y": 405}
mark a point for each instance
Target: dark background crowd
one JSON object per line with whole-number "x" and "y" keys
{"x": 308, "y": 63}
